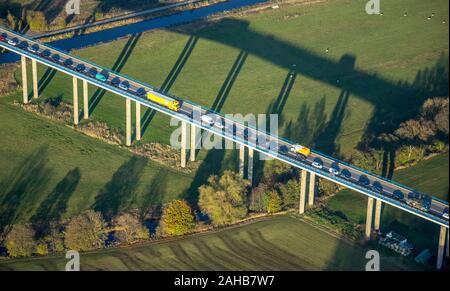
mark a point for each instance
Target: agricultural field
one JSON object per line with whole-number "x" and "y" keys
{"x": 278, "y": 243}
{"x": 430, "y": 176}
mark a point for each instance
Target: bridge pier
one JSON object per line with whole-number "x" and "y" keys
{"x": 376, "y": 224}
{"x": 368, "y": 231}
{"x": 138, "y": 121}
{"x": 241, "y": 160}
{"x": 194, "y": 142}
{"x": 24, "y": 79}
{"x": 75, "y": 101}
{"x": 250, "y": 166}
{"x": 85, "y": 100}
{"x": 440, "y": 256}
{"x": 128, "y": 121}
{"x": 184, "y": 127}
{"x": 35, "y": 79}
{"x": 301, "y": 206}
{"x": 312, "y": 189}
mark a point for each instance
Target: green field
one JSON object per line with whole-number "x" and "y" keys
{"x": 44, "y": 163}
{"x": 279, "y": 243}
{"x": 430, "y": 176}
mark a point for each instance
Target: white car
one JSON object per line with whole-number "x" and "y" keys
{"x": 219, "y": 123}
{"x": 333, "y": 171}
{"x": 208, "y": 120}
{"x": 12, "y": 42}
{"x": 317, "y": 163}
{"x": 445, "y": 214}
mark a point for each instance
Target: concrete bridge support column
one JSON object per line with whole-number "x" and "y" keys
{"x": 138, "y": 121}
{"x": 369, "y": 218}
{"x": 376, "y": 224}
{"x": 250, "y": 166}
{"x": 301, "y": 206}
{"x": 75, "y": 101}
{"x": 194, "y": 142}
{"x": 24, "y": 79}
{"x": 184, "y": 127}
{"x": 440, "y": 255}
{"x": 85, "y": 100}
{"x": 241, "y": 160}
{"x": 35, "y": 79}
{"x": 128, "y": 121}
{"x": 312, "y": 189}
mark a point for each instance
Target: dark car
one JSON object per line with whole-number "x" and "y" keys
{"x": 92, "y": 72}
{"x": 46, "y": 53}
{"x": 141, "y": 92}
{"x": 283, "y": 149}
{"x": 125, "y": 85}
{"x": 346, "y": 174}
{"x": 3, "y": 37}
{"x": 56, "y": 58}
{"x": 364, "y": 181}
{"x": 68, "y": 62}
{"x": 414, "y": 196}
{"x": 397, "y": 194}
{"x": 34, "y": 48}
{"x": 22, "y": 45}
{"x": 377, "y": 187}
{"x": 115, "y": 81}
{"x": 80, "y": 68}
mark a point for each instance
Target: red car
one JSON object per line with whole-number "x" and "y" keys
{"x": 2, "y": 38}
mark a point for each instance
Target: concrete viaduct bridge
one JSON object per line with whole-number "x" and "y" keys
{"x": 246, "y": 137}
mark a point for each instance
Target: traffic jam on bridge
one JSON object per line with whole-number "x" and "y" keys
{"x": 397, "y": 195}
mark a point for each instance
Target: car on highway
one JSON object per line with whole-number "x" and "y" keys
{"x": 92, "y": 72}
{"x": 45, "y": 53}
{"x": 219, "y": 123}
{"x": 346, "y": 174}
{"x": 115, "y": 81}
{"x": 13, "y": 41}
{"x": 125, "y": 85}
{"x": 317, "y": 163}
{"x": 445, "y": 213}
{"x": 206, "y": 119}
{"x": 68, "y": 63}
{"x": 101, "y": 77}
{"x": 80, "y": 68}
{"x": 23, "y": 45}
{"x": 2, "y": 38}
{"x": 141, "y": 92}
{"x": 398, "y": 194}
{"x": 334, "y": 169}
{"x": 56, "y": 58}
{"x": 377, "y": 187}
{"x": 364, "y": 181}
{"x": 283, "y": 149}
{"x": 33, "y": 48}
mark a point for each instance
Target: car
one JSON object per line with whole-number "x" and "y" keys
{"x": 23, "y": 45}
{"x": 300, "y": 151}
{"x": 445, "y": 213}
{"x": 115, "y": 81}
{"x": 364, "y": 181}
{"x": 13, "y": 41}
{"x": 317, "y": 163}
{"x": 346, "y": 174}
{"x": 397, "y": 194}
{"x": 377, "y": 187}
{"x": 33, "y": 48}
{"x": 56, "y": 58}
{"x": 283, "y": 149}
{"x": 125, "y": 85}
{"x": 2, "y": 38}
{"x": 208, "y": 120}
{"x": 334, "y": 169}
{"x": 414, "y": 195}
{"x": 80, "y": 68}
{"x": 141, "y": 92}
{"x": 92, "y": 72}
{"x": 101, "y": 77}
{"x": 46, "y": 53}
{"x": 219, "y": 123}
{"x": 68, "y": 62}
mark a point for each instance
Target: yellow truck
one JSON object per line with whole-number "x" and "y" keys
{"x": 171, "y": 104}
{"x": 304, "y": 152}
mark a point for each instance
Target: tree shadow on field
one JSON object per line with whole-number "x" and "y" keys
{"x": 117, "y": 67}
{"x": 55, "y": 205}
{"x": 152, "y": 201}
{"x": 20, "y": 190}
{"x": 112, "y": 198}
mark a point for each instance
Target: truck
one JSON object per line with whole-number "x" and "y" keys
{"x": 301, "y": 151}
{"x": 173, "y": 105}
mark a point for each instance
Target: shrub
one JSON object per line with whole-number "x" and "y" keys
{"x": 129, "y": 229}
{"x": 86, "y": 231}
{"x": 20, "y": 242}
{"x": 42, "y": 249}
{"x": 290, "y": 193}
{"x": 258, "y": 201}
{"x": 274, "y": 202}
{"x": 177, "y": 218}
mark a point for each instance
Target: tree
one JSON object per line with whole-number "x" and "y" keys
{"x": 36, "y": 20}
{"x": 177, "y": 218}
{"x": 258, "y": 200}
{"x": 290, "y": 192}
{"x": 42, "y": 249}
{"x": 276, "y": 171}
{"x": 20, "y": 241}
{"x": 86, "y": 231}
{"x": 224, "y": 198}
{"x": 129, "y": 229}
{"x": 326, "y": 187}
{"x": 274, "y": 202}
